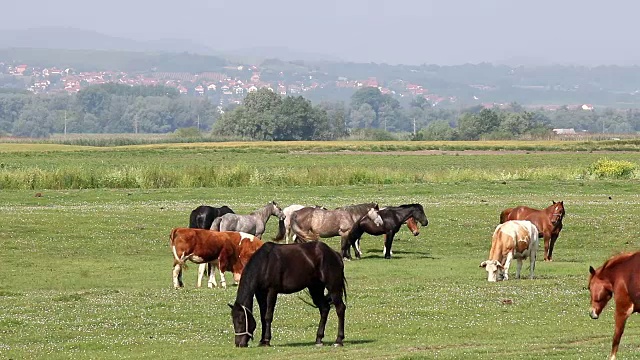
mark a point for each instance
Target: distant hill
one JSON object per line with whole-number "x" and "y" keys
{"x": 104, "y": 60}
{"x": 259, "y": 54}
{"x": 77, "y": 39}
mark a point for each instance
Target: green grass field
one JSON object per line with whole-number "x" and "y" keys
{"x": 86, "y": 273}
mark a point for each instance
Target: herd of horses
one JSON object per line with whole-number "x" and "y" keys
{"x": 311, "y": 264}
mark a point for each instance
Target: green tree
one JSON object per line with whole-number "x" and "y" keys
{"x": 362, "y": 117}
{"x": 437, "y": 130}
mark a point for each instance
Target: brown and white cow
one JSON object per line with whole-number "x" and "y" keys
{"x": 230, "y": 249}
{"x": 512, "y": 239}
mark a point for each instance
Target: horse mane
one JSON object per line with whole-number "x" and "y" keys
{"x": 251, "y": 273}
{"x": 365, "y": 206}
{"x": 616, "y": 260}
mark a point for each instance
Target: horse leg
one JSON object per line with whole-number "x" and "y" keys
{"x": 336, "y": 299}
{"x": 177, "y": 275}
{"x": 384, "y": 247}
{"x": 552, "y": 243}
{"x": 223, "y": 281}
{"x": 261, "y": 298}
{"x": 345, "y": 244}
{"x": 319, "y": 300}
{"x": 211, "y": 283}
{"x": 547, "y": 249}
{"x": 532, "y": 260}
{"x": 387, "y": 245}
{"x": 356, "y": 248}
{"x": 623, "y": 311}
{"x": 270, "y": 299}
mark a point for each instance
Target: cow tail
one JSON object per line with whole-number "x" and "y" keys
{"x": 178, "y": 259}
{"x": 281, "y": 231}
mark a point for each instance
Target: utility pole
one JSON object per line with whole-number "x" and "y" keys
{"x": 414, "y": 126}
{"x": 65, "y": 124}
{"x": 198, "y": 122}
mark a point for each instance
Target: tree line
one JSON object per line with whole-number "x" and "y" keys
{"x": 265, "y": 115}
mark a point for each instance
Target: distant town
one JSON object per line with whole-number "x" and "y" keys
{"x": 228, "y": 89}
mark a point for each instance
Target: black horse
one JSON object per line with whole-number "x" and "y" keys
{"x": 202, "y": 217}
{"x": 392, "y": 219}
{"x": 284, "y": 269}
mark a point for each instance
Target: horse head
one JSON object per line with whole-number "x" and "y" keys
{"x": 374, "y": 216}
{"x": 419, "y": 215}
{"x": 601, "y": 292}
{"x": 276, "y": 210}
{"x": 244, "y": 324}
{"x": 557, "y": 212}
{"x": 413, "y": 226}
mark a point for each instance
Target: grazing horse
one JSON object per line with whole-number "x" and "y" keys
{"x": 254, "y": 223}
{"x": 393, "y": 217}
{"x": 312, "y": 224}
{"x": 548, "y": 221}
{"x": 202, "y": 216}
{"x": 284, "y": 269}
{"x": 284, "y": 225}
{"x": 617, "y": 276}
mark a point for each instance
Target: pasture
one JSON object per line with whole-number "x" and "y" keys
{"x": 86, "y": 273}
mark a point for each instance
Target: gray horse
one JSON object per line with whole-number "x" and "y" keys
{"x": 284, "y": 226}
{"x": 253, "y": 223}
{"x": 310, "y": 224}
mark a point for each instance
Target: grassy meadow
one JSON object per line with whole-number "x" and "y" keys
{"x": 86, "y": 270}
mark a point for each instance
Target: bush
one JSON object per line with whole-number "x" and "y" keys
{"x": 612, "y": 169}
{"x": 189, "y": 132}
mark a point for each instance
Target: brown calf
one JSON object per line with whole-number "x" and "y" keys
{"x": 230, "y": 249}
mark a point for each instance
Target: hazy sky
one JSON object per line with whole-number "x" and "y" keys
{"x": 399, "y": 31}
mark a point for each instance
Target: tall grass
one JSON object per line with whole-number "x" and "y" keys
{"x": 242, "y": 175}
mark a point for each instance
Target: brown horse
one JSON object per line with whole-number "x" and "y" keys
{"x": 548, "y": 221}
{"x": 618, "y": 276}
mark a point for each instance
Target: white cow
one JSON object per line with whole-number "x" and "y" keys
{"x": 512, "y": 239}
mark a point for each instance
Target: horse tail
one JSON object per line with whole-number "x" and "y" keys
{"x": 344, "y": 292}
{"x": 297, "y": 231}
{"x": 281, "y": 231}
{"x": 344, "y": 288}
{"x": 215, "y": 225}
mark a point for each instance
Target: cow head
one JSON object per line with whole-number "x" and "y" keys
{"x": 494, "y": 269}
